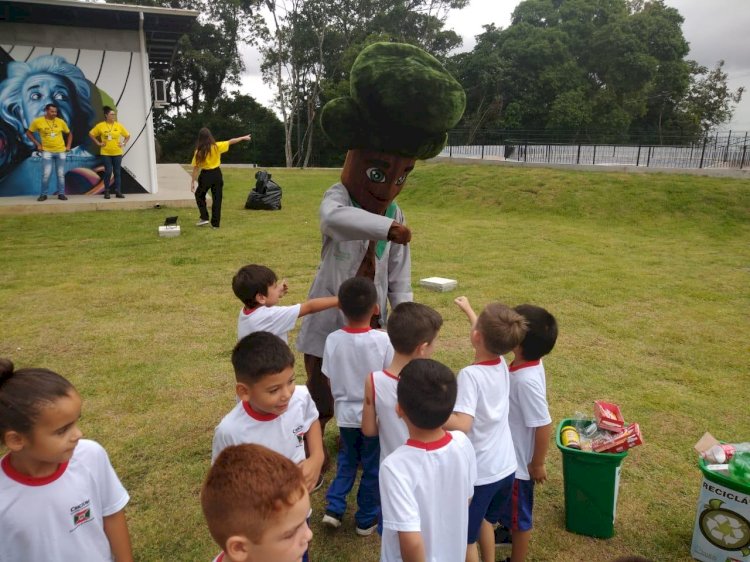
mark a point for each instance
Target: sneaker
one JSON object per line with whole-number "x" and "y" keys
{"x": 119, "y": 196}
{"x": 201, "y": 223}
{"x": 503, "y": 536}
{"x": 367, "y": 530}
{"x": 62, "y": 197}
{"x": 106, "y": 195}
{"x": 214, "y": 227}
{"x": 41, "y": 198}
{"x": 319, "y": 484}
{"x": 332, "y": 520}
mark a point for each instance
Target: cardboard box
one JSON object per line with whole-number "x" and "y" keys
{"x": 617, "y": 443}
{"x": 440, "y": 284}
{"x": 608, "y": 416}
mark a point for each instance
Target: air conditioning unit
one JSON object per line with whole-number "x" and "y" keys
{"x": 159, "y": 89}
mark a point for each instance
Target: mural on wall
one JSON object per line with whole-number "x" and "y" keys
{"x": 26, "y": 87}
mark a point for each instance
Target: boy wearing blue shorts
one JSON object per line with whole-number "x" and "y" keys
{"x": 530, "y": 423}
{"x": 481, "y": 411}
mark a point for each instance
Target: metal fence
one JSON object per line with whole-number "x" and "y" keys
{"x": 717, "y": 151}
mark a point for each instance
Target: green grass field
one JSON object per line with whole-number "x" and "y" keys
{"x": 648, "y": 276}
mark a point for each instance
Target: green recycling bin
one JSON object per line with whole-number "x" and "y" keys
{"x": 722, "y": 523}
{"x": 591, "y": 481}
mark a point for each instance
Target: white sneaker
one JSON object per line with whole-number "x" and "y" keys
{"x": 332, "y": 520}
{"x": 201, "y": 223}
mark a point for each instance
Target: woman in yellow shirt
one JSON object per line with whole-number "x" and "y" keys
{"x": 110, "y": 135}
{"x": 207, "y": 162}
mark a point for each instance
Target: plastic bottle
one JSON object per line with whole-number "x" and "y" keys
{"x": 723, "y": 452}
{"x": 739, "y": 467}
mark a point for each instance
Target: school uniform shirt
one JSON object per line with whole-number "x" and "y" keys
{"x": 213, "y": 158}
{"x": 284, "y": 433}
{"x": 110, "y": 134}
{"x": 279, "y": 320}
{"x": 483, "y": 392}
{"x": 426, "y": 487}
{"x": 350, "y": 355}
{"x": 347, "y": 231}
{"x": 60, "y": 518}
{"x": 528, "y": 410}
{"x": 51, "y": 132}
{"x": 391, "y": 429}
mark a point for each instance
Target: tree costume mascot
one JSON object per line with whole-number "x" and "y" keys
{"x": 401, "y": 106}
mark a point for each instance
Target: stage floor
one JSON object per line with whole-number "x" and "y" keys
{"x": 174, "y": 191}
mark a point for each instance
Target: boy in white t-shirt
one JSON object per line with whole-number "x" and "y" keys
{"x": 481, "y": 412}
{"x": 427, "y": 483}
{"x": 273, "y": 411}
{"x": 260, "y": 291}
{"x": 530, "y": 424}
{"x": 413, "y": 329}
{"x": 350, "y": 355}
{"x": 256, "y": 506}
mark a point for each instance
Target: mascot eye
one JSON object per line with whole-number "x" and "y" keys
{"x": 35, "y": 96}
{"x": 402, "y": 179}
{"x": 60, "y": 96}
{"x": 376, "y": 175}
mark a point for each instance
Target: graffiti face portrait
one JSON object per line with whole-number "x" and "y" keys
{"x": 374, "y": 179}
{"x": 38, "y": 90}
{"x": 29, "y": 86}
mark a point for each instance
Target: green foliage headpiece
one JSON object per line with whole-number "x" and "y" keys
{"x": 402, "y": 101}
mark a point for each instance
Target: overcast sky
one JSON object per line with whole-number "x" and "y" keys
{"x": 715, "y": 30}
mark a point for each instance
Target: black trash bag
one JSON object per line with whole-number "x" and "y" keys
{"x": 266, "y": 195}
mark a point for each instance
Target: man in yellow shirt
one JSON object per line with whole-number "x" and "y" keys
{"x": 54, "y": 150}
{"x": 111, "y": 136}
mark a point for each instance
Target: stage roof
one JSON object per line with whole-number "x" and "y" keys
{"x": 162, "y": 27}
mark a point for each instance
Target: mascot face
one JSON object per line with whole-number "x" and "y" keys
{"x": 374, "y": 179}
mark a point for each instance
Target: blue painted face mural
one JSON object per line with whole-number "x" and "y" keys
{"x": 26, "y": 87}
{"x": 29, "y": 86}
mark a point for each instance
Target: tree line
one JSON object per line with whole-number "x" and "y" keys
{"x": 612, "y": 71}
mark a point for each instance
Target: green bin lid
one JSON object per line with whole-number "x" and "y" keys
{"x": 588, "y": 456}
{"x": 722, "y": 480}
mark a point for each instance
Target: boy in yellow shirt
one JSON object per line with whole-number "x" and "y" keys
{"x": 110, "y": 135}
{"x": 52, "y": 146}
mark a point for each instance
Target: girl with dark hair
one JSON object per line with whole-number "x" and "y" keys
{"x": 207, "y": 162}
{"x": 61, "y": 497}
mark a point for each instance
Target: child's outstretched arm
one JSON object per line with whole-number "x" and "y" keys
{"x": 537, "y": 470}
{"x": 116, "y": 529}
{"x": 316, "y": 305}
{"x": 463, "y": 304}
{"x": 369, "y": 417}
{"x": 311, "y": 465}
{"x": 459, "y": 421}
{"x": 412, "y": 546}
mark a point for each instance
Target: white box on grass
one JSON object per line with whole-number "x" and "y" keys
{"x": 169, "y": 231}
{"x": 439, "y": 284}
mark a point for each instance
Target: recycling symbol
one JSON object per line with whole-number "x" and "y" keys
{"x": 724, "y": 528}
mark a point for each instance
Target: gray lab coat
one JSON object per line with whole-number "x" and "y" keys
{"x": 347, "y": 231}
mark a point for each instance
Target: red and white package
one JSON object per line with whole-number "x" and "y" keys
{"x": 608, "y": 416}
{"x": 617, "y": 443}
